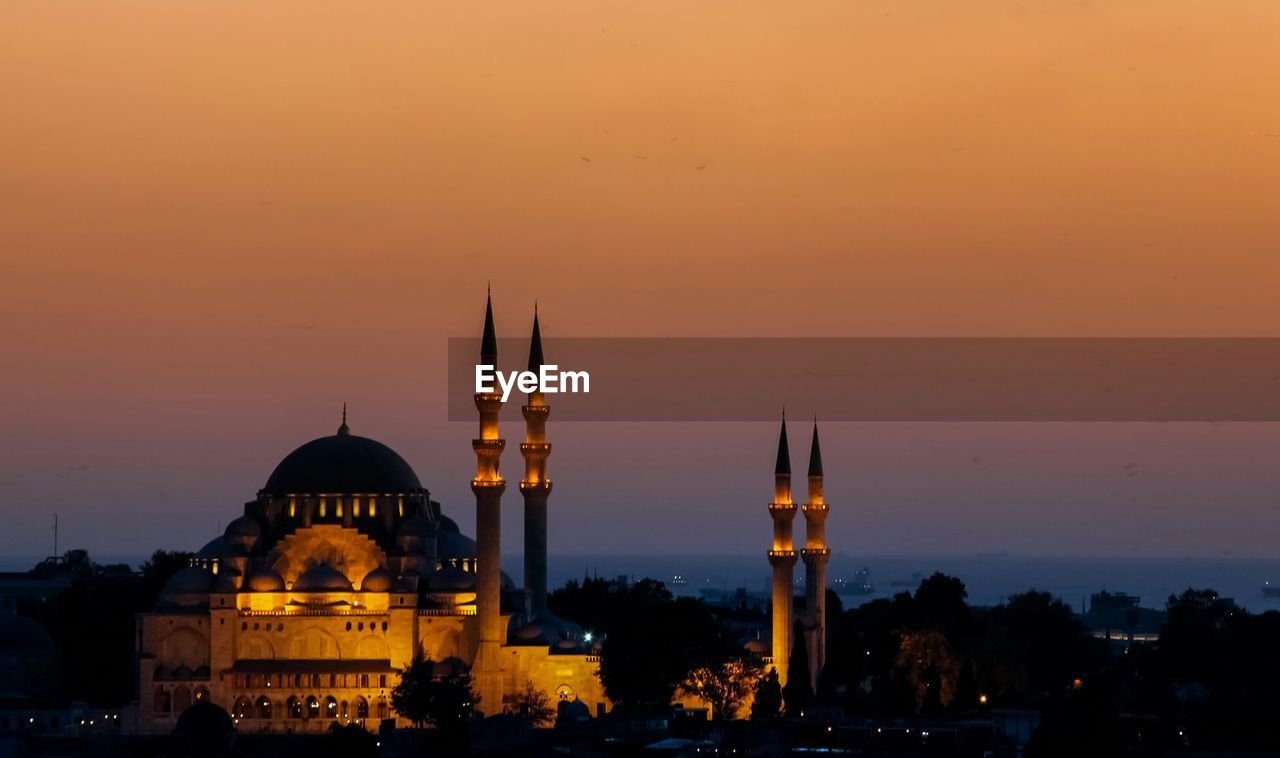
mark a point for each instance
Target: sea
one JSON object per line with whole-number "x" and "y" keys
{"x": 989, "y": 578}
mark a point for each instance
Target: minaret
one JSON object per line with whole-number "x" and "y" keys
{"x": 782, "y": 557}
{"x": 535, "y": 487}
{"x": 815, "y": 556}
{"x": 488, "y": 487}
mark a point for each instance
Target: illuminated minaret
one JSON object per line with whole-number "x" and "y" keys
{"x": 815, "y": 555}
{"x": 782, "y": 557}
{"x": 488, "y": 487}
{"x": 535, "y": 487}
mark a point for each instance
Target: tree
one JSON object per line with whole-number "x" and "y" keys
{"x": 768, "y": 700}
{"x": 799, "y": 690}
{"x": 443, "y": 701}
{"x": 725, "y": 686}
{"x": 653, "y": 645}
{"x": 930, "y": 667}
{"x": 349, "y": 741}
{"x": 533, "y": 703}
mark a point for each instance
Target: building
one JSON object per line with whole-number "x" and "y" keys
{"x": 307, "y": 608}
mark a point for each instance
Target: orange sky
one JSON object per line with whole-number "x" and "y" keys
{"x": 219, "y": 219}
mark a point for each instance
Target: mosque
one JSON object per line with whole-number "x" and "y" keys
{"x": 307, "y": 608}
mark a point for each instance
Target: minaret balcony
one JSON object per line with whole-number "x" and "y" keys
{"x": 495, "y": 445}
{"x": 527, "y": 448}
{"x": 542, "y": 484}
{"x": 782, "y": 509}
{"x": 782, "y": 557}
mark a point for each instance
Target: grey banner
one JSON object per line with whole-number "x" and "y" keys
{"x": 895, "y": 379}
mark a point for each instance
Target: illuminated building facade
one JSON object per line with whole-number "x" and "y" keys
{"x": 308, "y": 607}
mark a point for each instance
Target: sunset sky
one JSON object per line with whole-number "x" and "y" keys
{"x": 221, "y": 219}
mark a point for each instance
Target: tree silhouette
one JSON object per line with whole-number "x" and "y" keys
{"x": 443, "y": 701}
{"x": 768, "y": 700}
{"x": 798, "y": 692}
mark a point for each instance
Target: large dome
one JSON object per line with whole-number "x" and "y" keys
{"x": 19, "y": 634}
{"x": 342, "y": 464}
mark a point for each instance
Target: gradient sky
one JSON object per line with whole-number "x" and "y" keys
{"x": 220, "y": 219}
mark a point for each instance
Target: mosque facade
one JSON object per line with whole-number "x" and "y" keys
{"x": 308, "y": 607}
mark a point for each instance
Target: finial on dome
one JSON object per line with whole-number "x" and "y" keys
{"x": 344, "y": 430}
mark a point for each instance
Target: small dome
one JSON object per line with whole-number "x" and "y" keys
{"x": 190, "y": 580}
{"x": 215, "y": 548}
{"x": 546, "y": 628}
{"x": 244, "y": 526}
{"x": 265, "y": 580}
{"x": 322, "y": 578}
{"x": 408, "y": 582}
{"x": 378, "y": 580}
{"x": 454, "y": 544}
{"x": 19, "y": 634}
{"x": 451, "y": 579}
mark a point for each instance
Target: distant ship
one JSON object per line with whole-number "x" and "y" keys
{"x": 1270, "y": 590}
{"x": 679, "y": 581}
{"x": 861, "y": 584}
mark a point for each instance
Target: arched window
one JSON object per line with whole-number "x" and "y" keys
{"x": 373, "y": 507}
{"x": 242, "y": 708}
{"x": 362, "y": 708}
{"x": 355, "y": 507}
{"x": 293, "y": 507}
{"x": 330, "y": 708}
{"x": 163, "y": 703}
{"x": 313, "y": 708}
{"x": 382, "y": 707}
{"x": 400, "y": 506}
{"x": 295, "y": 708}
{"x": 324, "y": 507}
{"x": 263, "y": 708}
{"x": 181, "y": 698}
{"x": 337, "y": 508}
{"x": 343, "y": 711}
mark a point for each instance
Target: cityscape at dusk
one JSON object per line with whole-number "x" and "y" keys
{"x": 252, "y": 255}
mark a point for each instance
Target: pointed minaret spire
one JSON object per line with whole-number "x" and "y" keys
{"x": 783, "y": 465}
{"x": 489, "y": 342}
{"x": 815, "y": 452}
{"x": 535, "y": 343}
{"x": 535, "y": 486}
{"x": 344, "y": 430}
